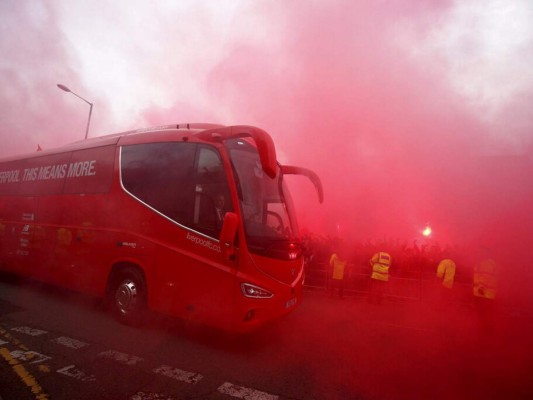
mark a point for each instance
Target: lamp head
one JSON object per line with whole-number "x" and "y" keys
{"x": 63, "y": 87}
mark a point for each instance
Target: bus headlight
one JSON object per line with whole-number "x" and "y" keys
{"x": 255, "y": 292}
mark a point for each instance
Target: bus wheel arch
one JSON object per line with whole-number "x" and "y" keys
{"x": 127, "y": 293}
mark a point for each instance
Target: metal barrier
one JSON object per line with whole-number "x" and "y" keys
{"x": 424, "y": 288}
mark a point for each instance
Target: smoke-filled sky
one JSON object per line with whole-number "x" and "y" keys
{"x": 412, "y": 112}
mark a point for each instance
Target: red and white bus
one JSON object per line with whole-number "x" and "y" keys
{"x": 189, "y": 220}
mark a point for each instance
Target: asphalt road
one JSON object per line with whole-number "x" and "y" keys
{"x": 55, "y": 344}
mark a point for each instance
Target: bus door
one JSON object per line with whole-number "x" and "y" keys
{"x": 17, "y": 218}
{"x": 212, "y": 283}
{"x": 17, "y": 232}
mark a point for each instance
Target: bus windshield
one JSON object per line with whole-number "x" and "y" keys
{"x": 265, "y": 202}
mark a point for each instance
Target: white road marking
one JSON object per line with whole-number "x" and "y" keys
{"x": 149, "y": 396}
{"x": 32, "y": 356}
{"x": 242, "y": 392}
{"x": 73, "y": 372}
{"x": 178, "y": 374}
{"x": 120, "y": 357}
{"x": 69, "y": 342}
{"x": 29, "y": 331}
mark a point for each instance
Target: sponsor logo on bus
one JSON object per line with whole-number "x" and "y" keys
{"x": 203, "y": 242}
{"x": 72, "y": 170}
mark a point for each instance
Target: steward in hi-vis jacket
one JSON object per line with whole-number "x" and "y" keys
{"x": 338, "y": 267}
{"x": 380, "y": 263}
{"x": 484, "y": 291}
{"x": 445, "y": 275}
{"x": 446, "y": 272}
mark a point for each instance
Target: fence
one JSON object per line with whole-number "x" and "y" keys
{"x": 424, "y": 287}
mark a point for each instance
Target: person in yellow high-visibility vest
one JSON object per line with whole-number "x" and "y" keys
{"x": 485, "y": 279}
{"x": 336, "y": 277}
{"x": 446, "y": 273}
{"x": 484, "y": 290}
{"x": 380, "y": 263}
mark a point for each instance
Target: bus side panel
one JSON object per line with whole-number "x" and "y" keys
{"x": 72, "y": 198}
{"x": 109, "y": 231}
{"x": 189, "y": 278}
{"x": 187, "y": 275}
{"x": 72, "y": 248}
{"x": 194, "y": 284}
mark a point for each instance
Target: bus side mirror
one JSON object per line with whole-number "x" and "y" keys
{"x": 292, "y": 170}
{"x": 227, "y": 235}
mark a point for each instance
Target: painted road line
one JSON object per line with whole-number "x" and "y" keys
{"x": 73, "y": 372}
{"x": 14, "y": 341}
{"x": 32, "y": 356}
{"x": 44, "y": 368}
{"x": 120, "y": 357}
{"x": 69, "y": 342}
{"x": 178, "y": 374}
{"x": 24, "y": 375}
{"x": 242, "y": 392}
{"x": 149, "y": 396}
{"x": 29, "y": 331}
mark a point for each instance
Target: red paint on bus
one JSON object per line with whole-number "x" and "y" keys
{"x": 189, "y": 220}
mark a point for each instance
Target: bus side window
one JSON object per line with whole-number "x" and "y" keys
{"x": 212, "y": 197}
{"x": 160, "y": 175}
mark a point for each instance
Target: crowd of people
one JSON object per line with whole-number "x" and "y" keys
{"x": 343, "y": 265}
{"x": 410, "y": 259}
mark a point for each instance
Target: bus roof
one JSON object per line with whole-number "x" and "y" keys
{"x": 201, "y": 131}
{"x": 113, "y": 138}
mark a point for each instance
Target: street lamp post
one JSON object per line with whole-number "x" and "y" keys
{"x": 66, "y": 89}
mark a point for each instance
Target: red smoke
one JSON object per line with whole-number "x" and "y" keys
{"x": 395, "y": 145}
{"x": 338, "y": 88}
{"x": 36, "y": 58}
{"x": 341, "y": 91}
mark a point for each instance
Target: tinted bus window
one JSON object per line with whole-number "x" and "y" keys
{"x": 183, "y": 181}
{"x": 161, "y": 176}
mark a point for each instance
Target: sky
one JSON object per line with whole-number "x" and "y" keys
{"x": 411, "y": 112}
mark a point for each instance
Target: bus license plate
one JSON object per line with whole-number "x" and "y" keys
{"x": 291, "y": 303}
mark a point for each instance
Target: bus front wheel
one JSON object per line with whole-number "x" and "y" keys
{"x": 128, "y": 297}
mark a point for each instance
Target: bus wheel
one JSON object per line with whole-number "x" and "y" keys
{"x": 129, "y": 297}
